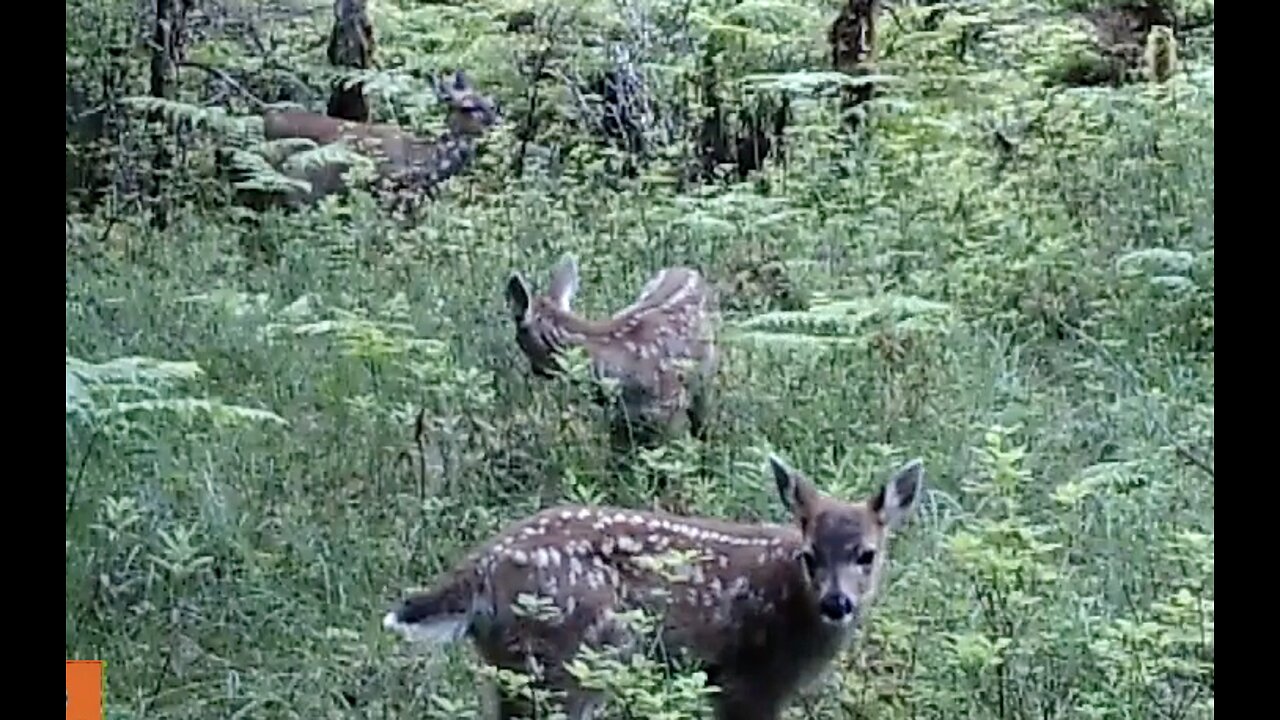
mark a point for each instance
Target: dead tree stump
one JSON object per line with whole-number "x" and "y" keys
{"x": 351, "y": 45}
{"x": 853, "y": 52}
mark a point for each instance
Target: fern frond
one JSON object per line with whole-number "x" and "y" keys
{"x": 125, "y": 386}
{"x": 191, "y": 409}
{"x": 133, "y": 372}
{"x": 807, "y": 83}
{"x": 845, "y": 322}
{"x": 358, "y": 336}
{"x": 196, "y": 116}
{"x": 1149, "y": 260}
{"x": 277, "y": 151}
{"x": 254, "y": 172}
{"x": 333, "y": 154}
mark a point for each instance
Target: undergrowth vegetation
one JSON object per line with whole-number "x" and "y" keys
{"x": 1006, "y": 276}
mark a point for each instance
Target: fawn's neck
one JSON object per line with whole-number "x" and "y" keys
{"x": 578, "y": 330}
{"x": 781, "y": 640}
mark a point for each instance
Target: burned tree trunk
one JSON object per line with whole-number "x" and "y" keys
{"x": 853, "y": 48}
{"x": 744, "y": 137}
{"x": 162, "y": 68}
{"x": 533, "y": 69}
{"x": 167, "y": 45}
{"x": 351, "y": 45}
{"x": 94, "y": 126}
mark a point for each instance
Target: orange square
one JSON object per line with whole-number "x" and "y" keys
{"x": 84, "y": 690}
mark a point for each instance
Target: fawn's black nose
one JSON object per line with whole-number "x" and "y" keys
{"x": 836, "y": 607}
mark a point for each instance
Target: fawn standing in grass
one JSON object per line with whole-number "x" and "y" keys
{"x": 763, "y": 608}
{"x": 660, "y": 349}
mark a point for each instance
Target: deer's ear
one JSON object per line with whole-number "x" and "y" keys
{"x": 900, "y": 495}
{"x": 564, "y": 282}
{"x": 459, "y": 80}
{"x": 797, "y": 493}
{"x": 518, "y": 297}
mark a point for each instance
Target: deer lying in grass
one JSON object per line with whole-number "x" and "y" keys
{"x": 406, "y": 166}
{"x": 660, "y": 349}
{"x": 764, "y": 609}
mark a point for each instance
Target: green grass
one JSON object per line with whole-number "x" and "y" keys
{"x": 1040, "y": 333}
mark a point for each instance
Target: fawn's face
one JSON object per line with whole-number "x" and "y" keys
{"x": 470, "y": 113}
{"x": 844, "y": 543}
{"x": 536, "y": 317}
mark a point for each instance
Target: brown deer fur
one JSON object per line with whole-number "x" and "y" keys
{"x": 763, "y": 608}
{"x": 661, "y": 348}
{"x": 404, "y": 162}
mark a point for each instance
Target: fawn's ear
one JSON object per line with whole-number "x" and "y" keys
{"x": 900, "y": 495}
{"x": 518, "y": 297}
{"x": 797, "y": 493}
{"x": 564, "y": 282}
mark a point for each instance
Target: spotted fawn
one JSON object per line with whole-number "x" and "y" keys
{"x": 762, "y": 608}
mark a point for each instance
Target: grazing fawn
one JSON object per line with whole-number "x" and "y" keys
{"x": 762, "y": 608}
{"x": 660, "y": 349}
{"x": 406, "y": 165}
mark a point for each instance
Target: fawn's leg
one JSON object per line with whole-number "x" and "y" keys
{"x": 511, "y": 703}
{"x": 513, "y": 708}
{"x": 746, "y": 710}
{"x": 698, "y": 412}
{"x": 582, "y": 705}
{"x": 739, "y": 699}
{"x": 508, "y": 705}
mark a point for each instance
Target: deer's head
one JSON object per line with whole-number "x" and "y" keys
{"x": 470, "y": 113}
{"x": 845, "y": 544}
{"x": 539, "y": 318}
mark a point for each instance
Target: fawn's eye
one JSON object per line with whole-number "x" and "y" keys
{"x": 865, "y": 557}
